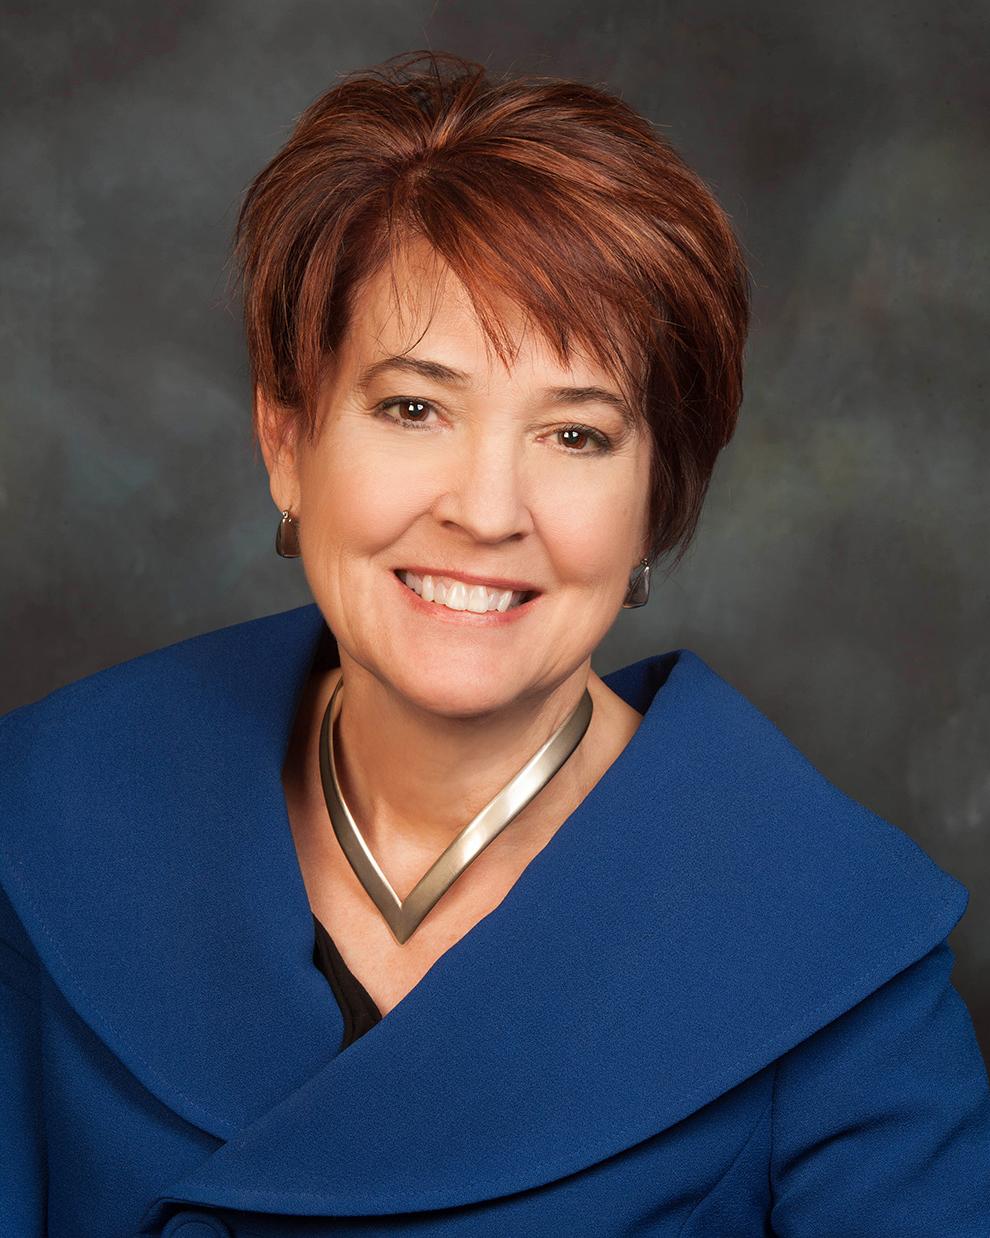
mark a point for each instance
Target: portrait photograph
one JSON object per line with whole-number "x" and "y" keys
{"x": 495, "y": 698}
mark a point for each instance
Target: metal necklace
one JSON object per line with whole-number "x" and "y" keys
{"x": 404, "y": 916}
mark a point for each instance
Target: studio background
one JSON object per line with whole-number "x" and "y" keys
{"x": 840, "y": 575}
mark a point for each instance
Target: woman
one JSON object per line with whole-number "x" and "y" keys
{"x": 386, "y": 914}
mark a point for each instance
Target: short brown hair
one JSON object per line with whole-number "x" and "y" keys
{"x": 553, "y": 193}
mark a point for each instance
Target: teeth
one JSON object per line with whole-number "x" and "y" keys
{"x": 456, "y": 595}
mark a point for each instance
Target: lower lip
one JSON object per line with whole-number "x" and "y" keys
{"x": 490, "y": 618}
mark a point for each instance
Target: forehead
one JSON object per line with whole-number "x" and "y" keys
{"x": 419, "y": 305}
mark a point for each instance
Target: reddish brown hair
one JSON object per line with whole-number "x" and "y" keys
{"x": 552, "y": 193}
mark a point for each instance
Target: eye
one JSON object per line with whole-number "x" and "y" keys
{"x": 575, "y": 434}
{"x": 410, "y": 413}
{"x": 414, "y": 408}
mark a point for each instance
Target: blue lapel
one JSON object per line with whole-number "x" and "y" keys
{"x": 711, "y": 903}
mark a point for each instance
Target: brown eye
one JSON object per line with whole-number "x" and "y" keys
{"x": 405, "y": 409}
{"x": 414, "y": 408}
{"x": 575, "y": 437}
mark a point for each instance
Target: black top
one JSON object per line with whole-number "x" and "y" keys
{"x": 359, "y": 1011}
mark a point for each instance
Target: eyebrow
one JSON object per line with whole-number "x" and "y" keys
{"x": 439, "y": 373}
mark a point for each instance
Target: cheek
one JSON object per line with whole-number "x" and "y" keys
{"x": 359, "y": 501}
{"x": 591, "y": 530}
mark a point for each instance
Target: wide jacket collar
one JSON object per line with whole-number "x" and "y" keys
{"x": 713, "y": 901}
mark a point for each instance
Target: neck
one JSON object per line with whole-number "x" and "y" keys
{"x": 413, "y": 779}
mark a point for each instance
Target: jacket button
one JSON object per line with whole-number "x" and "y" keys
{"x": 195, "y": 1225}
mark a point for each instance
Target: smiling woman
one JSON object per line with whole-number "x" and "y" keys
{"x": 386, "y": 914}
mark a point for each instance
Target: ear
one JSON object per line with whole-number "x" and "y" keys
{"x": 277, "y": 436}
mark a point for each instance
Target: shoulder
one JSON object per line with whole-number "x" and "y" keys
{"x": 186, "y": 663}
{"x": 115, "y": 756}
{"x": 804, "y": 871}
{"x": 706, "y": 743}
{"x": 120, "y": 704}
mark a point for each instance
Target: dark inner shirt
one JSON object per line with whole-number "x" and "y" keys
{"x": 359, "y": 1011}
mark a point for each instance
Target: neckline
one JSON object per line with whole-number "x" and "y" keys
{"x": 639, "y": 684}
{"x": 358, "y": 1008}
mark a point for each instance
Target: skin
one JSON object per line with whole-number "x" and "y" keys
{"x": 437, "y": 717}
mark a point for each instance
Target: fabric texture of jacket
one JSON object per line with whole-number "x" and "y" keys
{"x": 717, "y": 1003}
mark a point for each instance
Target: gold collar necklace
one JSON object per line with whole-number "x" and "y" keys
{"x": 405, "y": 916}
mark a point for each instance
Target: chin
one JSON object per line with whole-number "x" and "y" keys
{"x": 451, "y": 695}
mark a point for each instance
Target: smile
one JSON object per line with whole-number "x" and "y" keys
{"x": 446, "y": 597}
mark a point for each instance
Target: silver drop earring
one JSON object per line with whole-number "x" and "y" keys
{"x": 639, "y": 586}
{"x": 287, "y": 537}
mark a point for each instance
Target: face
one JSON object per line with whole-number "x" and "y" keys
{"x": 452, "y": 461}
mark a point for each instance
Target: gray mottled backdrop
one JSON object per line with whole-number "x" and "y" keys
{"x": 840, "y": 578}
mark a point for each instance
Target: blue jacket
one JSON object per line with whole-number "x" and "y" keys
{"x": 717, "y": 1003}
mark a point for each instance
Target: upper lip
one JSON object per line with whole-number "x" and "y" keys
{"x": 469, "y": 578}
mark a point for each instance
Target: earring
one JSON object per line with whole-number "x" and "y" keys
{"x": 639, "y": 586}
{"x": 287, "y": 537}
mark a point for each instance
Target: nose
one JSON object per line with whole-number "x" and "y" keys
{"x": 486, "y": 490}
